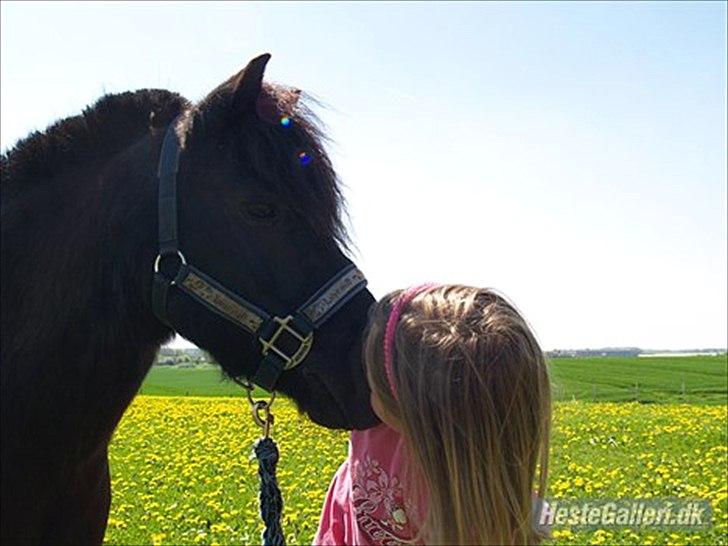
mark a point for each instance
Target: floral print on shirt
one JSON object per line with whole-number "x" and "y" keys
{"x": 381, "y": 510}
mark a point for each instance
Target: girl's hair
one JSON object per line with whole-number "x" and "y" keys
{"x": 474, "y": 409}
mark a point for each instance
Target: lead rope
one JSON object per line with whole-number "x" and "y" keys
{"x": 271, "y": 502}
{"x": 266, "y": 451}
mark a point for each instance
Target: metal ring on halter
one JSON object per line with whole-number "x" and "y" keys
{"x": 159, "y": 257}
{"x": 256, "y": 406}
{"x": 266, "y": 421}
{"x": 256, "y": 403}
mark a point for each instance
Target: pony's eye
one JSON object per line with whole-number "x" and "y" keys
{"x": 261, "y": 212}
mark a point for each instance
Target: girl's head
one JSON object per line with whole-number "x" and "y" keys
{"x": 472, "y": 401}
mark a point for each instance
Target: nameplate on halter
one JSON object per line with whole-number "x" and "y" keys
{"x": 335, "y": 295}
{"x": 221, "y": 302}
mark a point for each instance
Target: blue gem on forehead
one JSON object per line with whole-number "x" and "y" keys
{"x": 304, "y": 158}
{"x": 285, "y": 121}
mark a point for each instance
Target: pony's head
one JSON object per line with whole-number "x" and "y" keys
{"x": 259, "y": 210}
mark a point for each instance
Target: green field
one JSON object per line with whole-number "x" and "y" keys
{"x": 181, "y": 475}
{"x": 202, "y": 381}
{"x": 692, "y": 380}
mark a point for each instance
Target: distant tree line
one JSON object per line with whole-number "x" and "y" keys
{"x": 181, "y": 357}
{"x": 627, "y": 352}
{"x": 609, "y": 351}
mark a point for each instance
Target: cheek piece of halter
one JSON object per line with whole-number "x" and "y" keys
{"x": 284, "y": 341}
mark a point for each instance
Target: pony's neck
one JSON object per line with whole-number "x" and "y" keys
{"x": 129, "y": 335}
{"x": 84, "y": 309}
{"x": 129, "y": 245}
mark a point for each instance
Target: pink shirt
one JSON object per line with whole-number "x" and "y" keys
{"x": 366, "y": 503}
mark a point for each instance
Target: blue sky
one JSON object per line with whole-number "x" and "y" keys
{"x": 571, "y": 155}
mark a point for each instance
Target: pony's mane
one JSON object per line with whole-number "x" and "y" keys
{"x": 100, "y": 131}
{"x": 263, "y": 144}
{"x": 117, "y": 120}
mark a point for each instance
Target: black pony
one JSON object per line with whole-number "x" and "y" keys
{"x": 259, "y": 210}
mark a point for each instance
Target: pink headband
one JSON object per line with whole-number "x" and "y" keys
{"x": 394, "y": 315}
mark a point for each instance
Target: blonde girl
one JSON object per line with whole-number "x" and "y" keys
{"x": 462, "y": 389}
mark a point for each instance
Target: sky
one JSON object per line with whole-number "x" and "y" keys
{"x": 570, "y": 155}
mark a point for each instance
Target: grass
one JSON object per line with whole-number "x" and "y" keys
{"x": 176, "y": 381}
{"x": 181, "y": 475}
{"x": 693, "y": 380}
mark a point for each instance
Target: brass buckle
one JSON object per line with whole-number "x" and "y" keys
{"x": 305, "y": 343}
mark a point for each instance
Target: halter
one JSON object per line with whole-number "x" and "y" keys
{"x": 284, "y": 341}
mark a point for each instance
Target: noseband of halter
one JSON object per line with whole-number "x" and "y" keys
{"x": 284, "y": 341}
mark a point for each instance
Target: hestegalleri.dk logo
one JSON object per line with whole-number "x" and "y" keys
{"x": 600, "y": 513}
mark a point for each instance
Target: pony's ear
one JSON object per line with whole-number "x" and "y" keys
{"x": 247, "y": 83}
